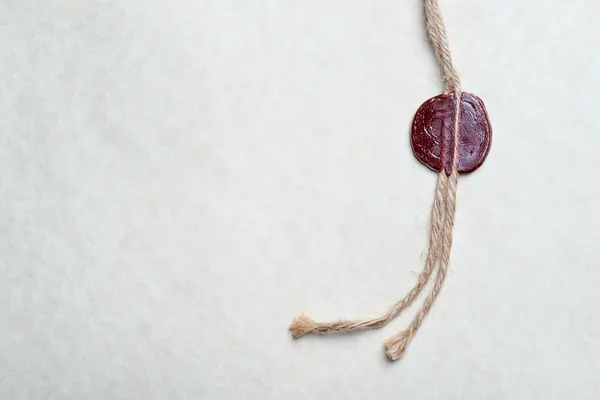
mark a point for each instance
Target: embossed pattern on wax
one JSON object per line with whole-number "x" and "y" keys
{"x": 433, "y": 133}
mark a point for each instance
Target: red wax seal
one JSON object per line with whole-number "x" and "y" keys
{"x": 433, "y": 136}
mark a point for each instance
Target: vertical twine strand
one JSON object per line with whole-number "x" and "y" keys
{"x": 436, "y": 32}
{"x": 397, "y": 344}
{"x": 442, "y": 222}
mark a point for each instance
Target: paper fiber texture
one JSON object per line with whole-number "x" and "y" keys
{"x": 178, "y": 180}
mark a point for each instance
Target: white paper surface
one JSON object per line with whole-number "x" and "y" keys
{"x": 179, "y": 179}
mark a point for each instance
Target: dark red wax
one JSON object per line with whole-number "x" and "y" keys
{"x": 433, "y": 136}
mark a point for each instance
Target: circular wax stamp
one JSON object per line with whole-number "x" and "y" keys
{"x": 433, "y": 136}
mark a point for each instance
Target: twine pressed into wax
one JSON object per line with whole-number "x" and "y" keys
{"x": 442, "y": 222}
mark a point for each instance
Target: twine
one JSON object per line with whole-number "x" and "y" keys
{"x": 442, "y": 222}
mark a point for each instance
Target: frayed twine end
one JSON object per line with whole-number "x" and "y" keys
{"x": 302, "y": 325}
{"x": 396, "y": 346}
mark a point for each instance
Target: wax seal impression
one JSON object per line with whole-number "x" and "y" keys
{"x": 433, "y": 137}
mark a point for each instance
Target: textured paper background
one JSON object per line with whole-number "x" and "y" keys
{"x": 180, "y": 179}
